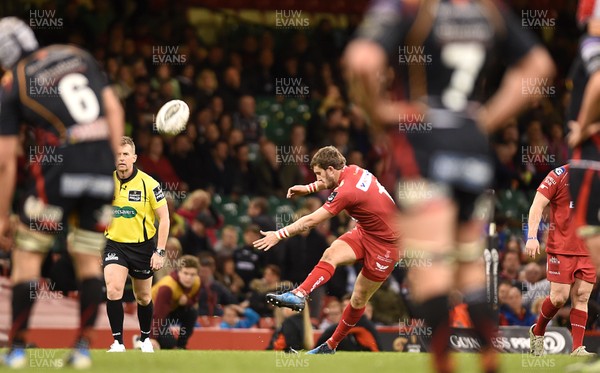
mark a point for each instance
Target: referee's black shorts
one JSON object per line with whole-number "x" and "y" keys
{"x": 133, "y": 256}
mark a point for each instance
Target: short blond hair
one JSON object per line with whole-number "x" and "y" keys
{"x": 126, "y": 140}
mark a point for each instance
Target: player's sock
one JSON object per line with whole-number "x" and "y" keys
{"x": 349, "y": 318}
{"x": 546, "y": 314}
{"x": 90, "y": 297}
{"x": 145, "y": 317}
{"x": 317, "y": 277}
{"x": 578, "y": 320}
{"x": 435, "y": 312}
{"x": 481, "y": 315}
{"x": 23, "y": 297}
{"x": 114, "y": 309}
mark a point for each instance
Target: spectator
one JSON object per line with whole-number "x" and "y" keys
{"x": 206, "y": 85}
{"x": 231, "y": 89}
{"x": 537, "y": 286}
{"x": 154, "y": 163}
{"x": 388, "y": 306}
{"x": 362, "y": 337}
{"x": 245, "y": 119}
{"x": 258, "y": 212}
{"x": 274, "y": 177}
{"x": 178, "y": 223}
{"x": 237, "y": 316}
{"x": 186, "y": 163}
{"x": 213, "y": 294}
{"x": 220, "y": 168}
{"x": 248, "y": 263}
{"x": 332, "y": 314}
{"x": 511, "y": 265}
{"x": 243, "y": 173}
{"x": 295, "y": 332}
{"x": 164, "y": 81}
{"x": 228, "y": 242}
{"x": 227, "y": 276}
{"x": 269, "y": 282}
{"x": 513, "y": 313}
{"x": 195, "y": 239}
{"x": 503, "y": 288}
{"x": 175, "y": 299}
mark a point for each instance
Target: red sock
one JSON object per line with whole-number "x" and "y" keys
{"x": 317, "y": 277}
{"x": 547, "y": 313}
{"x": 578, "y": 319}
{"x": 350, "y": 317}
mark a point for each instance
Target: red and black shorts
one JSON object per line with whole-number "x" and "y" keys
{"x": 449, "y": 150}
{"x": 69, "y": 184}
{"x": 584, "y": 182}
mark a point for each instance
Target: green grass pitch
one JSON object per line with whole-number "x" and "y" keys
{"x": 48, "y": 360}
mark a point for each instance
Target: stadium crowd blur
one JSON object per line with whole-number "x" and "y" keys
{"x": 262, "y": 100}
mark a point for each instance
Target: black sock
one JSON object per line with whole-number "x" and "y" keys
{"x": 23, "y": 298}
{"x": 435, "y": 312}
{"x": 145, "y": 317}
{"x": 114, "y": 309}
{"x": 90, "y": 297}
{"x": 481, "y": 315}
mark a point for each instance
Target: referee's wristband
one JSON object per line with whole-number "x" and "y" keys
{"x": 282, "y": 233}
{"x": 160, "y": 251}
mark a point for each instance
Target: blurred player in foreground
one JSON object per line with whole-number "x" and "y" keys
{"x": 443, "y": 52}
{"x": 60, "y": 91}
{"x": 374, "y": 240}
{"x": 584, "y": 137}
{"x": 570, "y": 269}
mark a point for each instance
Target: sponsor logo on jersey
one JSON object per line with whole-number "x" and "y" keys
{"x": 111, "y": 256}
{"x": 381, "y": 267}
{"x": 559, "y": 171}
{"x": 135, "y": 196}
{"x": 126, "y": 212}
{"x": 554, "y": 260}
{"x": 158, "y": 193}
{"x": 331, "y": 196}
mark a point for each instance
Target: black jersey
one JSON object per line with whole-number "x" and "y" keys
{"x": 586, "y": 63}
{"x": 58, "y": 91}
{"x": 443, "y": 49}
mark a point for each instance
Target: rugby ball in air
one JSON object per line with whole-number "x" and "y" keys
{"x": 172, "y": 117}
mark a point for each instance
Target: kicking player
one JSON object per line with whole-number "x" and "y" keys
{"x": 131, "y": 246}
{"x": 570, "y": 269}
{"x": 443, "y": 52}
{"x": 374, "y": 240}
{"x": 63, "y": 95}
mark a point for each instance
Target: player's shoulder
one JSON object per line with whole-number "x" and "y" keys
{"x": 560, "y": 172}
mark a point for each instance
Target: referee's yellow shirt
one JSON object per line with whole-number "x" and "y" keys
{"x": 134, "y": 202}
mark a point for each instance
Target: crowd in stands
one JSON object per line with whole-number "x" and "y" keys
{"x": 232, "y": 150}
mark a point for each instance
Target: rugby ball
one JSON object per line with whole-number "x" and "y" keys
{"x": 172, "y": 117}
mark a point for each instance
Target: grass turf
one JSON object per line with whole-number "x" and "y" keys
{"x": 47, "y": 360}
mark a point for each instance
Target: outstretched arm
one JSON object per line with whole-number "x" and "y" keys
{"x": 302, "y": 190}
{"x": 271, "y": 238}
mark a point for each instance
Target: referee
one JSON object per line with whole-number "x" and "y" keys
{"x": 131, "y": 247}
